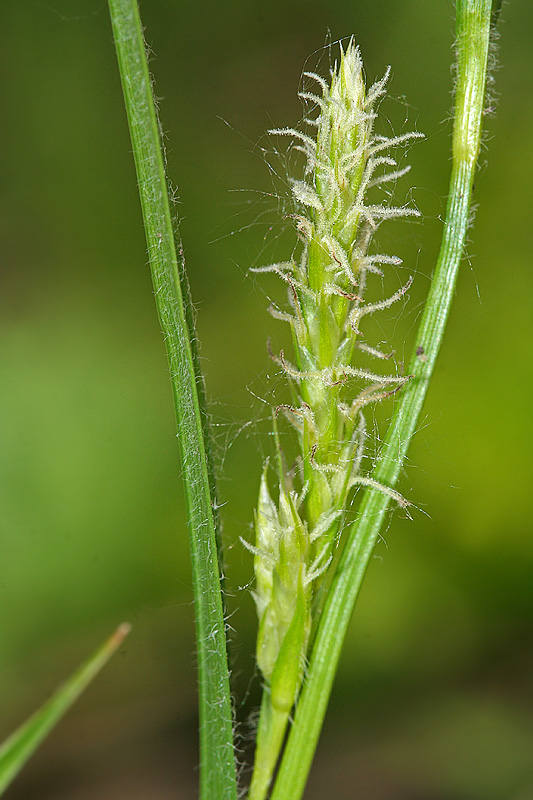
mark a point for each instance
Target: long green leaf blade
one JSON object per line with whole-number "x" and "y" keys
{"x": 20, "y": 746}
{"x": 217, "y": 766}
{"x": 472, "y": 29}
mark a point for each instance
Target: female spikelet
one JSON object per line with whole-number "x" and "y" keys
{"x": 326, "y": 286}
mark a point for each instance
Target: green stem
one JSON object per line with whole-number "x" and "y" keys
{"x": 217, "y": 766}
{"x": 270, "y": 735}
{"x": 473, "y": 28}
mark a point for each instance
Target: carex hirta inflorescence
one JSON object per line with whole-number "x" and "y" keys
{"x": 295, "y": 535}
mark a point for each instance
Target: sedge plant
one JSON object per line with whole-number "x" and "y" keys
{"x": 309, "y": 558}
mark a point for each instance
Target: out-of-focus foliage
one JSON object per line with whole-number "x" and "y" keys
{"x": 17, "y": 749}
{"x": 434, "y": 694}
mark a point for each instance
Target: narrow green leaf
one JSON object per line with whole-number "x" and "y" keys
{"x": 18, "y": 749}
{"x": 217, "y": 766}
{"x": 472, "y": 28}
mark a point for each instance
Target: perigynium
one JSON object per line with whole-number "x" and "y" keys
{"x": 296, "y": 533}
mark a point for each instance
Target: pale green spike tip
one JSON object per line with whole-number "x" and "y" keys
{"x": 295, "y": 536}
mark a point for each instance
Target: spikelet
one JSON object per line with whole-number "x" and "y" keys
{"x": 295, "y": 538}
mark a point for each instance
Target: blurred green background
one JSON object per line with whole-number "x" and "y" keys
{"x": 434, "y": 695}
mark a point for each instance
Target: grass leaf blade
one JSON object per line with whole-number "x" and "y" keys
{"x": 472, "y": 28}
{"x": 217, "y": 766}
{"x": 20, "y": 746}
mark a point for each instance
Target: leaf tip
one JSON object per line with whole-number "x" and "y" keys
{"x": 120, "y": 634}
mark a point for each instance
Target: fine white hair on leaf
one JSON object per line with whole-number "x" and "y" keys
{"x": 338, "y": 254}
{"x": 373, "y": 351}
{"x": 303, "y": 137}
{"x": 323, "y": 525}
{"x": 334, "y": 288}
{"x": 388, "y": 177}
{"x": 297, "y": 416}
{"x": 313, "y": 98}
{"x": 279, "y": 268}
{"x": 389, "y": 212}
{"x": 359, "y": 437}
{"x": 378, "y": 88}
{"x": 316, "y": 571}
{"x": 371, "y": 483}
{"x": 372, "y": 394}
{"x": 381, "y": 258}
{"x": 281, "y": 315}
{"x": 371, "y": 308}
{"x": 384, "y": 142}
{"x": 262, "y": 554}
{"x": 313, "y": 122}
{"x": 319, "y": 79}
{"x": 311, "y": 158}
{"x": 306, "y": 195}
{"x": 345, "y": 372}
{"x": 374, "y": 214}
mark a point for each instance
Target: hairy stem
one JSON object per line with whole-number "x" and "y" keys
{"x": 473, "y": 28}
{"x": 217, "y": 767}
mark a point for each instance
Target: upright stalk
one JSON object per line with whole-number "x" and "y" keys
{"x": 217, "y": 767}
{"x": 472, "y": 30}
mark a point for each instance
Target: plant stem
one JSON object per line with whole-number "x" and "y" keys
{"x": 217, "y": 766}
{"x": 269, "y": 740}
{"x": 472, "y": 29}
